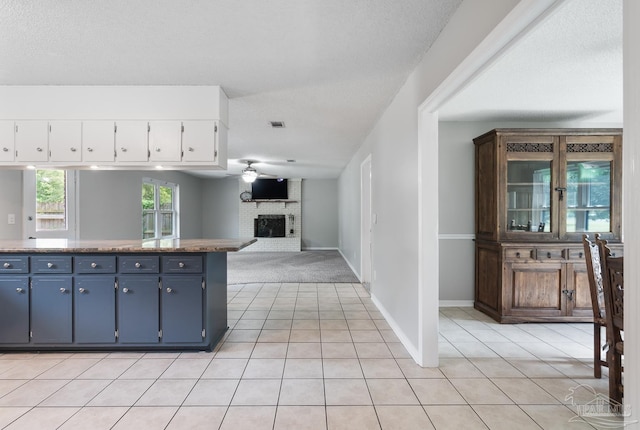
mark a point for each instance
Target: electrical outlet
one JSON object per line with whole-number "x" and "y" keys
{"x": 11, "y": 219}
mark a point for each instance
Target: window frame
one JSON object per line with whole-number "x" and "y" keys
{"x": 158, "y": 211}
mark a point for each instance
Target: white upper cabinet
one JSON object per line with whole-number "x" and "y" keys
{"x": 132, "y": 141}
{"x": 199, "y": 141}
{"x": 98, "y": 140}
{"x": 65, "y": 141}
{"x": 6, "y": 141}
{"x": 164, "y": 141}
{"x": 31, "y": 141}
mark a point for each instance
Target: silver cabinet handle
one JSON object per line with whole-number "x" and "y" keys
{"x": 5, "y": 149}
{"x": 49, "y": 265}
{"x": 73, "y": 149}
{"x": 19, "y": 290}
{"x": 125, "y": 290}
{"x": 169, "y": 290}
{"x": 81, "y": 290}
{"x": 89, "y": 149}
{"x": 94, "y": 265}
{"x": 191, "y": 149}
{"x": 63, "y": 290}
{"x": 158, "y": 149}
{"x": 181, "y": 264}
{"x": 39, "y": 149}
{"x": 123, "y": 149}
{"x": 137, "y": 265}
{"x": 6, "y": 265}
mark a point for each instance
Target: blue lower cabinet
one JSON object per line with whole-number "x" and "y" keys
{"x": 138, "y": 309}
{"x": 94, "y": 309}
{"x": 181, "y": 303}
{"x": 51, "y": 309}
{"x": 14, "y": 317}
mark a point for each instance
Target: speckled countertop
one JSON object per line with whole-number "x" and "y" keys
{"x": 107, "y": 246}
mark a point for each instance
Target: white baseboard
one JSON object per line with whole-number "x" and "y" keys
{"x": 355, "y": 272}
{"x": 317, "y": 248}
{"x": 409, "y": 346}
{"x": 456, "y": 303}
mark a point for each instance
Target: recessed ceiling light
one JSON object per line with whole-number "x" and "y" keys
{"x": 276, "y": 124}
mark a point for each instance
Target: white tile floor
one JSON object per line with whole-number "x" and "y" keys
{"x": 314, "y": 356}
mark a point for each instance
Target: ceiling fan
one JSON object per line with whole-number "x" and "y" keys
{"x": 250, "y": 174}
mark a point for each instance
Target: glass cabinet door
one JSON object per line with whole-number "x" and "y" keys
{"x": 588, "y": 196}
{"x": 529, "y": 196}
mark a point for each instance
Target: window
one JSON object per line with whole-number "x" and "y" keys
{"x": 159, "y": 209}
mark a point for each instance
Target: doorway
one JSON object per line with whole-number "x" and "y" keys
{"x": 366, "y": 244}
{"x": 49, "y": 204}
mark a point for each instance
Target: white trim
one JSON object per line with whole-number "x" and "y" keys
{"x": 631, "y": 206}
{"x": 522, "y": 18}
{"x": 456, "y": 236}
{"x": 353, "y": 269}
{"x": 366, "y": 223}
{"x": 320, "y": 248}
{"x": 397, "y": 330}
{"x": 456, "y": 303}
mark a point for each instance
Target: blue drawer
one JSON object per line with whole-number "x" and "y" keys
{"x": 139, "y": 264}
{"x": 95, "y": 264}
{"x": 14, "y": 264}
{"x": 51, "y": 264}
{"x": 182, "y": 264}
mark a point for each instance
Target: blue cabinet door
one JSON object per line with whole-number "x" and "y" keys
{"x": 51, "y": 309}
{"x": 94, "y": 309}
{"x": 182, "y": 310}
{"x": 14, "y": 317}
{"x": 138, "y": 309}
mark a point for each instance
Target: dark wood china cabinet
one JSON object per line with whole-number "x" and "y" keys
{"x": 537, "y": 192}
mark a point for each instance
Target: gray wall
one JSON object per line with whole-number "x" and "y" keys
{"x": 220, "y": 208}
{"x": 319, "y": 213}
{"x": 10, "y": 203}
{"x": 110, "y": 203}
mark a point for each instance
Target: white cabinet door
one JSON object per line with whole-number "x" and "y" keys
{"x": 165, "y": 141}
{"x": 6, "y": 141}
{"x": 132, "y": 141}
{"x": 199, "y": 141}
{"x": 31, "y": 140}
{"x": 98, "y": 139}
{"x": 65, "y": 141}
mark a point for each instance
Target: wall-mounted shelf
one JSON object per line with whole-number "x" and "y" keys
{"x": 258, "y": 202}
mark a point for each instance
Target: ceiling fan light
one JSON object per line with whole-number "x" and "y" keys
{"x": 249, "y": 174}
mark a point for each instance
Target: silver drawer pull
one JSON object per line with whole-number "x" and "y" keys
{"x": 123, "y": 149}
{"x": 19, "y": 290}
{"x": 169, "y": 290}
{"x": 181, "y": 264}
{"x": 5, "y": 149}
{"x": 517, "y": 255}
{"x": 158, "y": 149}
{"x": 125, "y": 290}
{"x": 81, "y": 290}
{"x": 39, "y": 149}
{"x": 94, "y": 265}
{"x": 6, "y": 265}
{"x": 89, "y": 149}
{"x": 73, "y": 149}
{"x": 63, "y": 290}
{"x": 191, "y": 149}
{"x": 49, "y": 265}
{"x": 138, "y": 265}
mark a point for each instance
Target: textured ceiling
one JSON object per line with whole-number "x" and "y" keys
{"x": 326, "y": 68}
{"x": 569, "y": 68}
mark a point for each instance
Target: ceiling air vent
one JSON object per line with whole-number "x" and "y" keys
{"x": 276, "y": 124}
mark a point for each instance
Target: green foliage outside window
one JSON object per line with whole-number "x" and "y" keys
{"x": 50, "y": 186}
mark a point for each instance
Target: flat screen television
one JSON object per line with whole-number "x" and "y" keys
{"x": 269, "y": 189}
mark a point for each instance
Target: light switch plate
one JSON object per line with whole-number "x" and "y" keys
{"x": 11, "y": 219}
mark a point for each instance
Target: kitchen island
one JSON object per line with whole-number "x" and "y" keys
{"x": 168, "y": 294}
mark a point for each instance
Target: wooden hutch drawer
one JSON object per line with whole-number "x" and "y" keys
{"x": 519, "y": 254}
{"x": 546, "y": 254}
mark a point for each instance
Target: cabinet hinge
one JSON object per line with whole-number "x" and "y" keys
{"x": 30, "y": 334}
{"x": 31, "y": 285}
{"x": 204, "y": 333}
{"x": 203, "y": 284}
{"x": 182, "y": 128}
{"x": 160, "y": 334}
{"x": 160, "y": 284}
{"x": 116, "y": 334}
{"x": 148, "y": 127}
{"x": 115, "y": 286}
{"x": 16, "y": 128}
{"x": 215, "y": 128}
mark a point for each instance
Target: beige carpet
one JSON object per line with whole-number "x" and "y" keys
{"x": 305, "y": 266}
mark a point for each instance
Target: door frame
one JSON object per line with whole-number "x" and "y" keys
{"x": 366, "y": 236}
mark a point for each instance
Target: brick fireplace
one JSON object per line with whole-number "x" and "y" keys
{"x": 276, "y": 224}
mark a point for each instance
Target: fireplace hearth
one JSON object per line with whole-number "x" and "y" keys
{"x": 269, "y": 226}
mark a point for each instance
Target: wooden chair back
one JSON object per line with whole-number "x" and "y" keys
{"x": 594, "y": 274}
